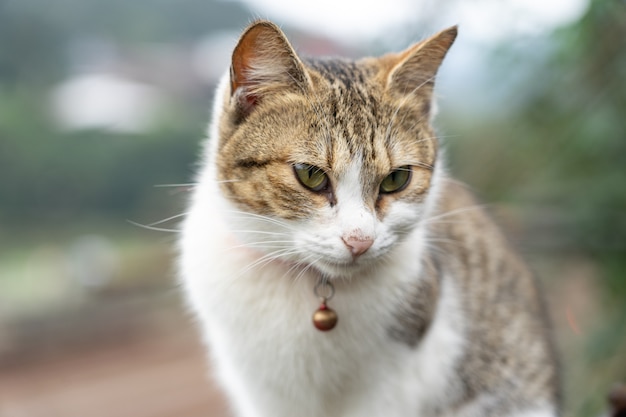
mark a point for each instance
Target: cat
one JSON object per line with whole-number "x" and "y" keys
{"x": 323, "y": 203}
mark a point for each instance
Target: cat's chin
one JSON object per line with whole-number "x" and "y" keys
{"x": 342, "y": 270}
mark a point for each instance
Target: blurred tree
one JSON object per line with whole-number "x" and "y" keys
{"x": 581, "y": 104}
{"x": 127, "y": 21}
{"x": 31, "y": 47}
{"x": 564, "y": 146}
{"x": 61, "y": 175}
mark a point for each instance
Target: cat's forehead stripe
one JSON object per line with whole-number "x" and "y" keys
{"x": 351, "y": 105}
{"x": 349, "y": 73}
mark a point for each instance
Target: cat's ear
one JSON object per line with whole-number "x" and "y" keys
{"x": 263, "y": 63}
{"x": 417, "y": 67}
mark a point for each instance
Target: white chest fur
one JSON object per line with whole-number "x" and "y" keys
{"x": 270, "y": 358}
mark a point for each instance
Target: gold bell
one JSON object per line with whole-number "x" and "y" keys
{"x": 324, "y": 318}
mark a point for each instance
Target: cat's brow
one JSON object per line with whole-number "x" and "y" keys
{"x": 252, "y": 163}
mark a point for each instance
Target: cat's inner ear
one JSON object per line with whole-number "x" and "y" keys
{"x": 264, "y": 63}
{"x": 416, "y": 67}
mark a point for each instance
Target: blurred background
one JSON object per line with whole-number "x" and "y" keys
{"x": 102, "y": 108}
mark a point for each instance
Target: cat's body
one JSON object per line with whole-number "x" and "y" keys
{"x": 437, "y": 316}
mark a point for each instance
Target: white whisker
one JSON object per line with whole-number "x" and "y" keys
{"x": 454, "y": 212}
{"x": 191, "y": 184}
{"x": 266, "y": 259}
{"x": 168, "y": 219}
{"x": 262, "y": 232}
{"x": 156, "y": 229}
{"x": 267, "y": 219}
{"x": 228, "y": 181}
{"x": 280, "y": 244}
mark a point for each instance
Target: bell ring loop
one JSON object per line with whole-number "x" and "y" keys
{"x": 324, "y": 286}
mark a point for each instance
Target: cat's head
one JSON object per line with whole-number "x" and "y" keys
{"x": 327, "y": 162}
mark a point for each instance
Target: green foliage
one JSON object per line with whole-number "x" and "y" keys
{"x": 30, "y": 46}
{"x": 126, "y": 21}
{"x": 564, "y": 145}
{"x": 583, "y": 102}
{"x": 60, "y": 175}
{"x": 53, "y": 175}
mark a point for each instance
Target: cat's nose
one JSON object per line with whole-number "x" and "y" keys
{"x": 358, "y": 245}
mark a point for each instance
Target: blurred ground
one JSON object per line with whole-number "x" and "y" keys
{"x": 159, "y": 371}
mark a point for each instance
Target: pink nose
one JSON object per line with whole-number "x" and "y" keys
{"x": 358, "y": 246}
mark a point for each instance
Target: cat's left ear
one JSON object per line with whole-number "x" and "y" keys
{"x": 263, "y": 63}
{"x": 417, "y": 67}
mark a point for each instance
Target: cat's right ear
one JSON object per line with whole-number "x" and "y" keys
{"x": 263, "y": 63}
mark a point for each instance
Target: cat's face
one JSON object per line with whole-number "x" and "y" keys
{"x": 329, "y": 163}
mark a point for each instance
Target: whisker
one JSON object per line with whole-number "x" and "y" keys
{"x": 264, "y": 260}
{"x": 308, "y": 262}
{"x": 256, "y": 244}
{"x": 228, "y": 181}
{"x": 304, "y": 265}
{"x": 156, "y": 229}
{"x": 168, "y": 219}
{"x": 436, "y": 248}
{"x": 454, "y": 212}
{"x": 437, "y": 222}
{"x": 262, "y": 232}
{"x": 259, "y": 245}
{"x": 191, "y": 184}
{"x": 263, "y": 218}
{"x": 443, "y": 137}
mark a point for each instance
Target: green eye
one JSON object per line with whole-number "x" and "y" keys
{"x": 396, "y": 181}
{"x": 311, "y": 177}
